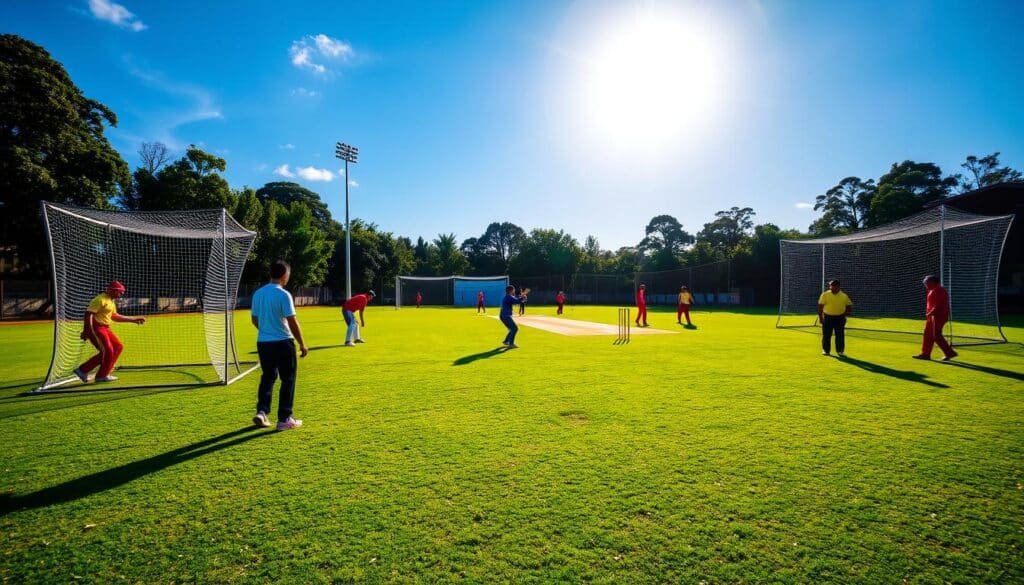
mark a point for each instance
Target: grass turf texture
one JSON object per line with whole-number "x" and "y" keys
{"x": 734, "y": 452}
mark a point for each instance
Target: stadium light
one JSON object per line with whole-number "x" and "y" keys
{"x": 349, "y": 154}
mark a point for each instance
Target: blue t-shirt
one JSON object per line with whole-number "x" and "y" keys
{"x": 271, "y": 305}
{"x": 506, "y": 305}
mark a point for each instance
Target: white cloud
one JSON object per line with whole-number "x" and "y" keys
{"x": 353, "y": 184}
{"x": 320, "y": 47}
{"x": 116, "y": 14}
{"x": 333, "y": 47}
{"x": 802, "y": 205}
{"x": 288, "y": 146}
{"x": 315, "y": 174}
{"x": 262, "y": 167}
{"x": 283, "y": 171}
{"x": 303, "y": 92}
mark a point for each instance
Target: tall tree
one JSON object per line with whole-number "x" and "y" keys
{"x": 52, "y": 148}
{"x": 905, "y": 189}
{"x": 288, "y": 233}
{"x": 191, "y": 182}
{"x": 503, "y": 240}
{"x": 986, "y": 171}
{"x": 844, "y": 207}
{"x": 546, "y": 251}
{"x": 447, "y": 258}
{"x": 286, "y": 193}
{"x": 664, "y": 243}
{"x": 728, "y": 230}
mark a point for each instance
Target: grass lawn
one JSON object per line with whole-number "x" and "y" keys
{"x": 733, "y": 452}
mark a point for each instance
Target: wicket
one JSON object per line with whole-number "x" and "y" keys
{"x": 623, "y": 326}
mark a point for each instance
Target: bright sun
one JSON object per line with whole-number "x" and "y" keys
{"x": 648, "y": 83}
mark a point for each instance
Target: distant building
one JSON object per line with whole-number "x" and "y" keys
{"x": 1002, "y": 199}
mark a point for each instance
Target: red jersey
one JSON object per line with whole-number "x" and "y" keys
{"x": 419, "y": 297}
{"x": 560, "y": 299}
{"x": 356, "y": 303}
{"x": 938, "y": 302}
{"x": 479, "y": 297}
{"x": 641, "y": 298}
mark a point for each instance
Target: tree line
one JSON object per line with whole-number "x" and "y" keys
{"x": 53, "y": 147}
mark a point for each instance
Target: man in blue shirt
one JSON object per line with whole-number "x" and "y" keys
{"x": 506, "y": 314}
{"x": 273, "y": 315}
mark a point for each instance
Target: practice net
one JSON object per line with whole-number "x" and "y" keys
{"x": 460, "y": 291}
{"x": 881, "y": 269}
{"x": 181, "y": 270}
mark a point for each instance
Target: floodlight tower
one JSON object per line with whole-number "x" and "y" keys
{"x": 349, "y": 154}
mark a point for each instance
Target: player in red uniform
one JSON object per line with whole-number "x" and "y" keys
{"x": 419, "y": 299}
{"x": 641, "y": 305}
{"x": 480, "y": 302}
{"x": 936, "y": 315}
{"x": 348, "y": 310}
{"x": 96, "y": 329}
{"x": 560, "y": 302}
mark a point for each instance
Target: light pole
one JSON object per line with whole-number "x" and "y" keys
{"x": 349, "y": 154}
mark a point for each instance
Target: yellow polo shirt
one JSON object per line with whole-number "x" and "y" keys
{"x": 835, "y": 304}
{"x": 685, "y": 298}
{"x": 103, "y": 309}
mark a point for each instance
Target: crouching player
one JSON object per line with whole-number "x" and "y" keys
{"x": 96, "y": 330}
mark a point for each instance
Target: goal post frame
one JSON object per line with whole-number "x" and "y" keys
{"x": 941, "y": 223}
{"x": 229, "y": 269}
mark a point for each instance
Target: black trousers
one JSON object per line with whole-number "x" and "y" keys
{"x": 833, "y": 324}
{"x": 277, "y": 358}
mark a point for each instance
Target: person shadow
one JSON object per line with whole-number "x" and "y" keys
{"x": 909, "y": 375}
{"x": 468, "y": 359}
{"x": 1019, "y": 376}
{"x": 101, "y": 481}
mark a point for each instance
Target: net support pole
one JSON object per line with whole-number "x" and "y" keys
{"x": 224, "y": 267}
{"x": 56, "y": 297}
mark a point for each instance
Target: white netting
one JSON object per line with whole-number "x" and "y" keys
{"x": 181, "y": 270}
{"x": 882, "y": 268}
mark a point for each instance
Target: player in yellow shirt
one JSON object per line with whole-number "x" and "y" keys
{"x": 685, "y": 300}
{"x": 833, "y": 308}
{"x": 102, "y": 311}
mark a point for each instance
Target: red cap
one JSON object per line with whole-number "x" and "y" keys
{"x": 115, "y": 286}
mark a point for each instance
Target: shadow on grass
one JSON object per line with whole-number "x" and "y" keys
{"x": 20, "y": 383}
{"x": 468, "y": 359}
{"x": 117, "y": 476}
{"x": 1019, "y": 376}
{"x": 908, "y": 375}
{"x": 319, "y": 347}
{"x": 34, "y": 403}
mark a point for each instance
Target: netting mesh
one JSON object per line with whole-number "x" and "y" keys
{"x": 881, "y": 269}
{"x": 448, "y": 290}
{"x": 181, "y": 271}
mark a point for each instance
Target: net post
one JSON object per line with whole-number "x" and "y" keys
{"x": 56, "y": 297}
{"x": 224, "y": 267}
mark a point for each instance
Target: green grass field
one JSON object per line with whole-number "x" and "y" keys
{"x": 734, "y": 452}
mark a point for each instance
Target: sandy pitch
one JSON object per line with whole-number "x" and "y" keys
{"x": 571, "y": 327}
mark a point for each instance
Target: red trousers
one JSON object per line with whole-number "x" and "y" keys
{"x": 933, "y": 336}
{"x": 641, "y": 314}
{"x": 110, "y": 349}
{"x": 683, "y": 310}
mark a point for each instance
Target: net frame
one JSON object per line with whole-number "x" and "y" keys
{"x": 963, "y": 249}
{"x": 225, "y": 243}
{"x": 447, "y": 281}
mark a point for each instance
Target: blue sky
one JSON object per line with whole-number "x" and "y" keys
{"x": 468, "y": 112}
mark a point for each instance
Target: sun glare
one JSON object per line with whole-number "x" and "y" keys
{"x": 648, "y": 83}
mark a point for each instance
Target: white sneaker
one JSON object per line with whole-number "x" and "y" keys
{"x": 349, "y": 344}
{"x": 291, "y": 423}
{"x": 841, "y": 354}
{"x": 261, "y": 420}
{"x": 82, "y": 375}
{"x": 107, "y": 379}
